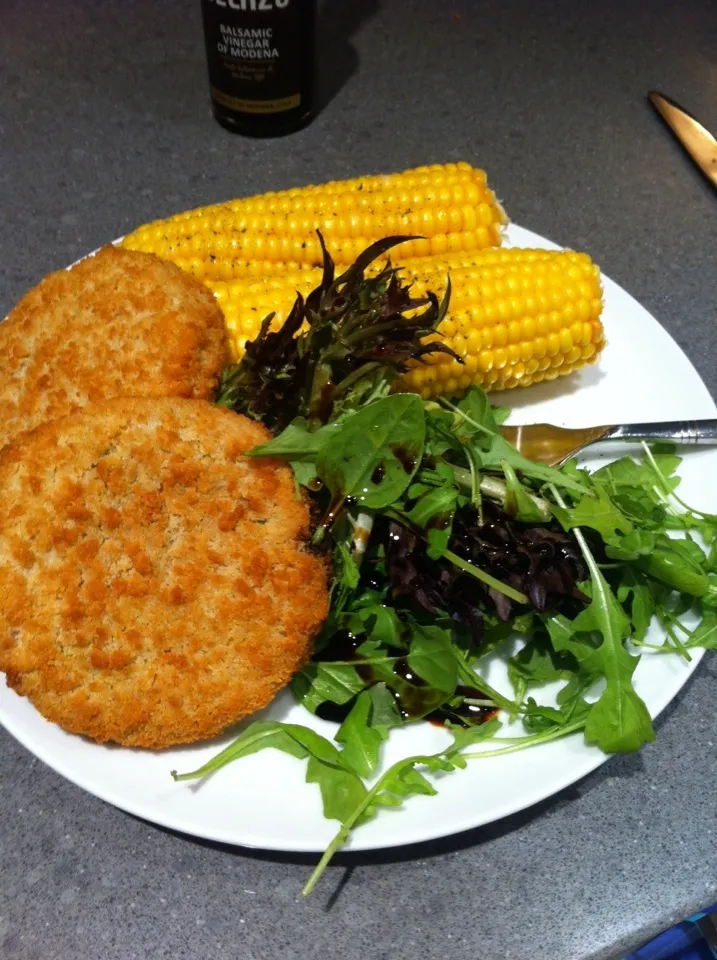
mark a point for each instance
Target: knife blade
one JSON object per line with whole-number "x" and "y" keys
{"x": 696, "y": 139}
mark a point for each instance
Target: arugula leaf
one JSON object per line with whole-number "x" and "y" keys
{"x": 346, "y": 570}
{"x": 634, "y": 589}
{"x": 709, "y": 602}
{"x": 689, "y": 549}
{"x": 434, "y": 511}
{"x": 468, "y": 737}
{"x": 304, "y": 473}
{"x": 635, "y": 490}
{"x": 370, "y": 615}
{"x": 296, "y": 442}
{"x": 500, "y": 449}
{"x": 571, "y": 469}
{"x": 562, "y": 635}
{"x": 317, "y": 682}
{"x": 257, "y": 736}
{"x": 625, "y": 472}
{"x": 433, "y": 658}
{"x": 639, "y": 543}
{"x": 346, "y": 577}
{"x": 400, "y": 781}
{"x": 384, "y": 712}
{"x": 538, "y": 663}
{"x": 475, "y": 424}
{"x": 341, "y": 788}
{"x": 705, "y": 634}
{"x": 678, "y": 564}
{"x": 366, "y": 728}
{"x": 385, "y": 628}
{"x": 478, "y": 416}
{"x": 375, "y": 454}
{"x": 500, "y": 414}
{"x": 599, "y": 513}
{"x": 300, "y": 447}
{"x": 437, "y": 542}
{"x": 524, "y": 623}
{"x": 417, "y": 700}
{"x": 435, "y": 502}
{"x": 518, "y": 502}
{"x": 666, "y": 461}
{"x": 619, "y": 722}
{"x": 539, "y": 719}
{"x": 439, "y": 435}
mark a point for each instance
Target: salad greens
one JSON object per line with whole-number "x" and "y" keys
{"x": 445, "y": 544}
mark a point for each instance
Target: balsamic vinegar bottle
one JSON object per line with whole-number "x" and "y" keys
{"x": 260, "y": 55}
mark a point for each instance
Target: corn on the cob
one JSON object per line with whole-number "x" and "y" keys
{"x": 450, "y": 206}
{"x": 523, "y": 317}
{"x": 516, "y": 316}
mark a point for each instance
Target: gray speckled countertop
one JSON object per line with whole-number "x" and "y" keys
{"x": 105, "y": 123}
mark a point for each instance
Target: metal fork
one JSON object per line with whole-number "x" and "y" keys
{"x": 552, "y": 445}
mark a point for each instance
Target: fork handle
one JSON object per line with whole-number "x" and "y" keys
{"x": 677, "y": 431}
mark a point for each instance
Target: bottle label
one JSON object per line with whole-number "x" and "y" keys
{"x": 253, "y": 54}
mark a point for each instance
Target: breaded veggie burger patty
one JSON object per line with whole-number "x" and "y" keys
{"x": 119, "y": 323}
{"x": 155, "y": 586}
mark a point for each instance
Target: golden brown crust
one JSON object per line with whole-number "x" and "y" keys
{"x": 120, "y": 323}
{"x": 154, "y": 584}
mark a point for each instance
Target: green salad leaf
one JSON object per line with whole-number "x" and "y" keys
{"x": 432, "y": 657}
{"x": 341, "y": 787}
{"x": 475, "y": 424}
{"x": 619, "y": 722}
{"x": 596, "y": 511}
{"x": 319, "y": 682}
{"x": 538, "y": 663}
{"x": 400, "y": 781}
{"x": 366, "y": 728}
{"x": 296, "y": 442}
{"x": 705, "y": 635}
{"x": 375, "y": 454}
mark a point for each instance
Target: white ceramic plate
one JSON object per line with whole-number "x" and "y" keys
{"x": 263, "y": 801}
